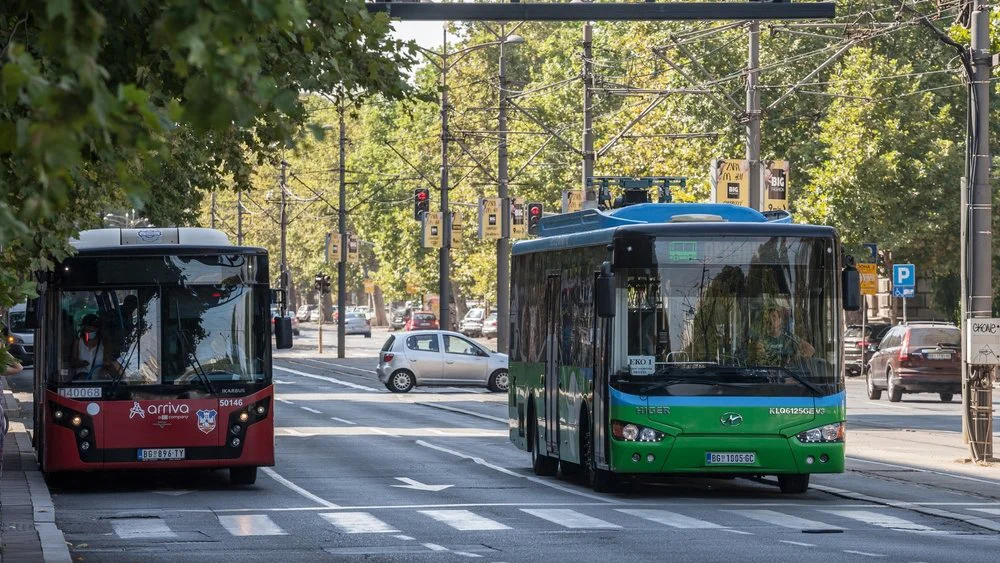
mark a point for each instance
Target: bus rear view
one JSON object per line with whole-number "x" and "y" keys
{"x": 154, "y": 352}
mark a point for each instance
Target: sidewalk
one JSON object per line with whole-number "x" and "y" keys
{"x": 28, "y": 532}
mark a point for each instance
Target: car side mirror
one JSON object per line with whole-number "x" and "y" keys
{"x": 31, "y": 314}
{"x": 605, "y": 292}
{"x": 283, "y": 333}
{"x": 850, "y": 281}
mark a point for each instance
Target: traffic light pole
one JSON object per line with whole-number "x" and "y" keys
{"x": 503, "y": 245}
{"x": 342, "y": 216}
{"x": 589, "y": 197}
{"x": 444, "y": 273}
{"x": 753, "y": 117}
{"x": 284, "y": 227}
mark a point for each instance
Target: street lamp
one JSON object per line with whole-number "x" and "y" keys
{"x": 503, "y": 245}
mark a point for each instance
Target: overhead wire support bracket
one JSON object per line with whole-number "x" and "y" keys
{"x": 644, "y": 11}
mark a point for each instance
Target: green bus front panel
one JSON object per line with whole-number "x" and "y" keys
{"x": 695, "y": 428}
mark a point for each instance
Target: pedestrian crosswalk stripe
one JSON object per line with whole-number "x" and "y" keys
{"x": 881, "y": 520}
{"x": 784, "y": 520}
{"x": 358, "y": 523}
{"x": 569, "y": 518}
{"x": 671, "y": 519}
{"x": 141, "y": 528}
{"x": 251, "y": 525}
{"x": 464, "y": 520}
{"x": 994, "y": 511}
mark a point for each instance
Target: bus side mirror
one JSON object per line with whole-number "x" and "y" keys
{"x": 282, "y": 333}
{"x": 31, "y": 314}
{"x": 605, "y": 292}
{"x": 850, "y": 281}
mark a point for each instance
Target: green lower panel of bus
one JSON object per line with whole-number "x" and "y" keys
{"x": 727, "y": 454}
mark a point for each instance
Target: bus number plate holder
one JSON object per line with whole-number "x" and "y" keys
{"x": 730, "y": 458}
{"x": 161, "y": 454}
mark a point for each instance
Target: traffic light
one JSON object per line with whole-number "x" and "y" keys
{"x": 534, "y": 217}
{"x": 318, "y": 282}
{"x": 326, "y": 283}
{"x": 421, "y": 202}
{"x": 322, "y": 283}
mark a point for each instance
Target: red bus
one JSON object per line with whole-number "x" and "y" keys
{"x": 153, "y": 350}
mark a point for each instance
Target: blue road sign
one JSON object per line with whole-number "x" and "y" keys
{"x": 904, "y": 292}
{"x": 871, "y": 252}
{"x": 904, "y": 275}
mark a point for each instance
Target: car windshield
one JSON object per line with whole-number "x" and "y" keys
{"x": 17, "y": 322}
{"x": 474, "y": 314}
{"x": 855, "y": 331}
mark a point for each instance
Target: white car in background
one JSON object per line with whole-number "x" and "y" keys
{"x": 357, "y": 323}
{"x": 439, "y": 357}
{"x": 490, "y": 326}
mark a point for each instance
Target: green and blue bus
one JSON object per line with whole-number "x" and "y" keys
{"x": 664, "y": 339}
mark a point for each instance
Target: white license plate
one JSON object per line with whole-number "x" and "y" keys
{"x": 161, "y": 454}
{"x": 938, "y": 356}
{"x": 730, "y": 458}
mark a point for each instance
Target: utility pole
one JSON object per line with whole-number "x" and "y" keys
{"x": 213, "y": 209}
{"x": 283, "y": 219}
{"x": 753, "y": 116}
{"x": 978, "y": 212}
{"x": 239, "y": 218}
{"x": 444, "y": 274}
{"x": 590, "y": 198}
{"x": 342, "y": 215}
{"x": 503, "y": 245}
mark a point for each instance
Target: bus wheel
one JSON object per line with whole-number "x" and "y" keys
{"x": 793, "y": 484}
{"x": 600, "y": 480}
{"x": 243, "y": 475}
{"x": 542, "y": 465}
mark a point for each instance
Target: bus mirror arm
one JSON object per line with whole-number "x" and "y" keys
{"x": 605, "y": 292}
{"x": 850, "y": 281}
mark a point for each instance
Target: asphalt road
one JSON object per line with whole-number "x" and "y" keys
{"x": 430, "y": 475}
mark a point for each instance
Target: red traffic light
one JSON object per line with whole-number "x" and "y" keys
{"x": 535, "y": 210}
{"x": 421, "y": 195}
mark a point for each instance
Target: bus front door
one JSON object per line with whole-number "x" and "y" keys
{"x": 553, "y": 286}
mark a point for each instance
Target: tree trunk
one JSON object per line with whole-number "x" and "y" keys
{"x": 326, "y": 304}
{"x": 379, "y": 312}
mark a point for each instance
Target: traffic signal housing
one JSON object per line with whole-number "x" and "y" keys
{"x": 534, "y": 217}
{"x": 421, "y": 202}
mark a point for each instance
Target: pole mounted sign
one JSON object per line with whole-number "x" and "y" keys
{"x": 904, "y": 280}
{"x": 983, "y": 338}
{"x": 869, "y": 278}
{"x": 730, "y": 180}
{"x": 489, "y": 218}
{"x": 775, "y": 184}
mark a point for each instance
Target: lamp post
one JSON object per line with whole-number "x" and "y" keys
{"x": 503, "y": 245}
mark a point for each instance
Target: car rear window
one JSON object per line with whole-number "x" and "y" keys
{"x": 355, "y": 315}
{"x": 945, "y": 336}
{"x": 855, "y": 331}
{"x": 388, "y": 344}
{"x": 424, "y": 317}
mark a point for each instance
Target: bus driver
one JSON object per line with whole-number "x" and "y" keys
{"x": 89, "y": 356}
{"x": 777, "y": 347}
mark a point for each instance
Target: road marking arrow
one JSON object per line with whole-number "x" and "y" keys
{"x": 418, "y": 486}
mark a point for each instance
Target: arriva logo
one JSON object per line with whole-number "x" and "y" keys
{"x": 136, "y": 411}
{"x": 157, "y": 410}
{"x": 731, "y": 419}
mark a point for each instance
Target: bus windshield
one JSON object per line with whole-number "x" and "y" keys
{"x": 161, "y": 335}
{"x": 733, "y": 315}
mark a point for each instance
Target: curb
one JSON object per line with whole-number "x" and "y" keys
{"x": 53, "y": 543}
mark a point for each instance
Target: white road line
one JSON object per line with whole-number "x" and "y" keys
{"x": 784, "y": 520}
{"x": 881, "y": 520}
{"x": 435, "y": 547}
{"x": 286, "y": 401}
{"x": 467, "y": 554}
{"x": 671, "y": 519}
{"x": 798, "y": 543}
{"x": 311, "y": 410}
{"x": 251, "y": 525}
{"x": 274, "y": 475}
{"x": 570, "y": 518}
{"x": 342, "y": 420}
{"x": 865, "y": 553}
{"x": 464, "y": 520}
{"x": 404, "y": 538}
{"x": 505, "y": 471}
{"x": 327, "y": 379}
{"x": 282, "y": 382}
{"x": 994, "y": 511}
{"x": 141, "y": 528}
{"x": 463, "y": 411}
{"x": 731, "y": 531}
{"x": 342, "y": 366}
{"x": 358, "y": 523}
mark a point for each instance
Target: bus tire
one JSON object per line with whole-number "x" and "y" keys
{"x": 598, "y": 479}
{"x": 243, "y": 475}
{"x": 793, "y": 484}
{"x": 542, "y": 465}
{"x": 401, "y": 381}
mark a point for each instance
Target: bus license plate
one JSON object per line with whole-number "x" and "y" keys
{"x": 161, "y": 454}
{"x": 730, "y": 458}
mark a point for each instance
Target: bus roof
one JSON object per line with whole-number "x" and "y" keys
{"x": 151, "y": 236}
{"x": 591, "y": 226}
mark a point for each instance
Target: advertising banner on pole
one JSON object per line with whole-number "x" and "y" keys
{"x": 518, "y": 222}
{"x": 334, "y": 249}
{"x": 572, "y": 201}
{"x": 730, "y": 179}
{"x": 353, "y": 248}
{"x": 432, "y": 229}
{"x": 457, "y": 226}
{"x": 775, "y": 184}
{"x": 489, "y": 218}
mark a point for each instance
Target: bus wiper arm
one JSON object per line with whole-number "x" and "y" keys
{"x": 663, "y": 384}
{"x": 194, "y": 363}
{"x": 805, "y": 382}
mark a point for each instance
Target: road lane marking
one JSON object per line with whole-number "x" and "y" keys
{"x": 358, "y": 523}
{"x": 504, "y": 470}
{"x": 342, "y": 420}
{"x": 141, "y": 528}
{"x": 784, "y": 520}
{"x": 341, "y": 366}
{"x": 671, "y": 519}
{"x": 328, "y": 379}
{"x": 274, "y": 475}
{"x": 570, "y": 519}
{"x": 881, "y": 520}
{"x": 464, "y": 520}
{"x": 466, "y": 412}
{"x": 920, "y": 470}
{"x": 286, "y": 401}
{"x": 251, "y": 525}
{"x": 404, "y": 538}
{"x": 314, "y": 411}
{"x": 732, "y": 531}
{"x": 865, "y": 553}
{"x": 994, "y": 511}
{"x": 435, "y": 547}
{"x": 798, "y": 543}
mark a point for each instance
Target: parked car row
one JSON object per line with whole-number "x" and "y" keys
{"x": 914, "y": 357}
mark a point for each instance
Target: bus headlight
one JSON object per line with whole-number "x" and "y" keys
{"x": 84, "y": 432}
{"x": 827, "y": 433}
{"x": 630, "y": 432}
{"x": 76, "y": 421}
{"x": 244, "y": 416}
{"x": 57, "y": 415}
{"x": 261, "y": 409}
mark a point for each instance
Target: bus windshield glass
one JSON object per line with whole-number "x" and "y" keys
{"x": 753, "y": 316}
{"x": 161, "y": 335}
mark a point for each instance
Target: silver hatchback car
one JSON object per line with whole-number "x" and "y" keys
{"x": 439, "y": 357}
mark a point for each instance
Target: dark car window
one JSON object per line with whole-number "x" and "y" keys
{"x": 891, "y": 339}
{"x": 943, "y": 336}
{"x": 388, "y": 344}
{"x": 855, "y": 332}
{"x": 423, "y": 343}
{"x": 424, "y": 317}
{"x": 878, "y": 331}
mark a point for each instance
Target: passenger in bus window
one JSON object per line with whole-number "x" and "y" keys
{"x": 776, "y": 346}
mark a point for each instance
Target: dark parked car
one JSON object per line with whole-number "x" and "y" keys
{"x": 858, "y": 349}
{"x": 398, "y": 319}
{"x": 918, "y": 357}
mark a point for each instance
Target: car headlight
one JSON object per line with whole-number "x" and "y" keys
{"x": 828, "y": 433}
{"x": 630, "y": 432}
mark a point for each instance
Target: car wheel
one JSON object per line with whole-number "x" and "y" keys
{"x": 873, "y": 392}
{"x": 946, "y": 397}
{"x": 368, "y": 335}
{"x": 499, "y": 382}
{"x": 296, "y": 333}
{"x": 401, "y": 382}
{"x": 895, "y": 391}
{"x": 793, "y": 484}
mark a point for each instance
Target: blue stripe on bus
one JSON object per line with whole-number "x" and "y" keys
{"x": 835, "y": 400}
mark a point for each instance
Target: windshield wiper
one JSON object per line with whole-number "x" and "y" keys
{"x": 663, "y": 384}
{"x": 194, "y": 363}
{"x": 805, "y": 382}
